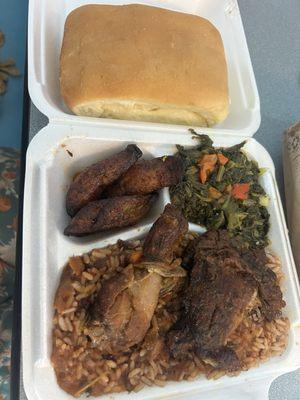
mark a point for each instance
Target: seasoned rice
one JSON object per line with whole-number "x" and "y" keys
{"x": 80, "y": 367}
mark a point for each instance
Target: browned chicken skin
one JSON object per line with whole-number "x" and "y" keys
{"x": 214, "y": 307}
{"x": 124, "y": 307}
{"x": 217, "y": 304}
{"x": 105, "y": 214}
{"x": 89, "y": 184}
{"x": 252, "y": 262}
{"x": 222, "y": 287}
{"x": 165, "y": 234}
{"x": 147, "y": 176}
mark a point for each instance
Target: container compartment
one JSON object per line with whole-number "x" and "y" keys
{"x": 45, "y": 40}
{"x": 46, "y": 249}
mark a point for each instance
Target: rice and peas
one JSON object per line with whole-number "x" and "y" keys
{"x": 80, "y": 367}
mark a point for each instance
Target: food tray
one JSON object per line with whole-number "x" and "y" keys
{"x": 45, "y": 32}
{"x": 46, "y": 249}
{"x": 49, "y": 168}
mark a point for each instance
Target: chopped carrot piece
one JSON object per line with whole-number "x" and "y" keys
{"x": 208, "y": 159}
{"x": 135, "y": 257}
{"x": 5, "y": 204}
{"x": 214, "y": 193}
{"x": 76, "y": 264}
{"x": 207, "y": 165}
{"x": 240, "y": 191}
{"x": 202, "y": 175}
{"x": 222, "y": 159}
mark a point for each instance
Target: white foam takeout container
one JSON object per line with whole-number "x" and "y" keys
{"x": 49, "y": 169}
{"x": 46, "y": 26}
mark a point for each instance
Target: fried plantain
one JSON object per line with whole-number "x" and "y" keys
{"x": 89, "y": 184}
{"x": 147, "y": 176}
{"x": 105, "y": 214}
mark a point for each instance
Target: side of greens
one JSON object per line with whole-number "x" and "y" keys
{"x": 220, "y": 190}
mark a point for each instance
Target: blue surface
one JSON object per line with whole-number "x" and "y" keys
{"x": 13, "y": 22}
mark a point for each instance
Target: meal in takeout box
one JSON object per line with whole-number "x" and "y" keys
{"x": 162, "y": 262}
{"x": 175, "y": 304}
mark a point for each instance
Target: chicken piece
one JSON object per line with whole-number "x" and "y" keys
{"x": 215, "y": 302}
{"x": 110, "y": 291}
{"x": 144, "y": 293}
{"x": 165, "y": 234}
{"x": 268, "y": 289}
{"x": 215, "y": 305}
{"x": 89, "y": 184}
{"x": 224, "y": 283}
{"x": 251, "y": 261}
{"x": 123, "y": 309}
{"x": 147, "y": 176}
{"x": 105, "y": 214}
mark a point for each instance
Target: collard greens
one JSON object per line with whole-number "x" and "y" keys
{"x": 231, "y": 197}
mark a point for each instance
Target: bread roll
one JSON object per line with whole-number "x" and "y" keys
{"x": 142, "y": 63}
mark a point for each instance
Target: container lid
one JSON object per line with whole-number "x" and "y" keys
{"x": 44, "y": 43}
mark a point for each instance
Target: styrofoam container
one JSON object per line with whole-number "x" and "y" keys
{"x": 49, "y": 168}
{"x": 45, "y": 33}
{"x": 46, "y": 250}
